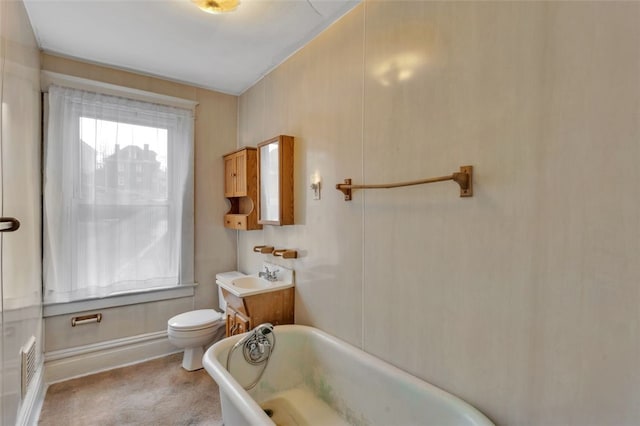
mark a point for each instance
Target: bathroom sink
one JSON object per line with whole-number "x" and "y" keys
{"x": 251, "y": 282}
{"x": 249, "y": 285}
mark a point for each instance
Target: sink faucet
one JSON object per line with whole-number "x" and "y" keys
{"x": 268, "y": 275}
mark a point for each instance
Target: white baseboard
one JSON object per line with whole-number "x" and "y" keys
{"x": 80, "y": 361}
{"x": 32, "y": 403}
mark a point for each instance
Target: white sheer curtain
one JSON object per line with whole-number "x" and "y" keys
{"x": 118, "y": 196}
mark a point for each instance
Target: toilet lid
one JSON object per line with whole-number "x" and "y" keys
{"x": 195, "y": 320}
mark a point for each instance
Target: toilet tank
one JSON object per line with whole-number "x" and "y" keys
{"x": 222, "y": 304}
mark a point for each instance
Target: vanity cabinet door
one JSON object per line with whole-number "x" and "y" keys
{"x": 242, "y": 324}
{"x": 236, "y": 322}
{"x": 231, "y": 321}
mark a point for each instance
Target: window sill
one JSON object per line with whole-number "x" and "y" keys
{"x": 122, "y": 299}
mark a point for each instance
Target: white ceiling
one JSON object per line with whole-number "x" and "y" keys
{"x": 176, "y": 40}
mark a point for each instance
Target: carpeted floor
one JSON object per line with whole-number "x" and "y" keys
{"x": 157, "y": 392}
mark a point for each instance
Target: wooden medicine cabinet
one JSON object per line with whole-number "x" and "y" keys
{"x": 275, "y": 181}
{"x": 240, "y": 188}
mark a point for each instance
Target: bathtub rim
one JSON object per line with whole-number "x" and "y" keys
{"x": 254, "y": 412}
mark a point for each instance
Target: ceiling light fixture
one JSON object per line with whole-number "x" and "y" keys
{"x": 217, "y": 6}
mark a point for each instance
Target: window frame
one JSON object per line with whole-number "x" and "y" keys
{"x": 183, "y": 289}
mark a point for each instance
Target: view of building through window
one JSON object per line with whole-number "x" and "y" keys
{"x": 124, "y": 190}
{"x": 117, "y": 157}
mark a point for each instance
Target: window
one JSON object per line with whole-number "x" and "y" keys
{"x": 108, "y": 230}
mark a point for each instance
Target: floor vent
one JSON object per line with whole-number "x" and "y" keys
{"x": 28, "y": 368}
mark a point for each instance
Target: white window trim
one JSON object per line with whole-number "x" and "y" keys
{"x": 47, "y": 78}
{"x": 119, "y": 299}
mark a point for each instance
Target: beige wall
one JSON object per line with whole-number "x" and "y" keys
{"x": 523, "y": 300}
{"x": 20, "y": 284}
{"x": 215, "y": 246}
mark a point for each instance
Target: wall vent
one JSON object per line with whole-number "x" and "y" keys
{"x": 28, "y": 355}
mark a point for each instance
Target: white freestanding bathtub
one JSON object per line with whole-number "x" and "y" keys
{"x": 313, "y": 378}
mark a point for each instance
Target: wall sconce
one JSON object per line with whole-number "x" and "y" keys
{"x": 316, "y": 184}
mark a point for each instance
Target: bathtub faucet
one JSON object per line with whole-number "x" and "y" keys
{"x": 257, "y": 347}
{"x": 261, "y": 342}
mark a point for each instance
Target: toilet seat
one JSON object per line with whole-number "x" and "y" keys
{"x": 195, "y": 320}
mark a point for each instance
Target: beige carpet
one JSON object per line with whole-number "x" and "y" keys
{"x": 158, "y": 392}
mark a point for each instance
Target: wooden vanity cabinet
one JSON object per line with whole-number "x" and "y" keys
{"x": 240, "y": 187}
{"x": 245, "y": 313}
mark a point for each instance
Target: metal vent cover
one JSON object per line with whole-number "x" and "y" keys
{"x": 28, "y": 365}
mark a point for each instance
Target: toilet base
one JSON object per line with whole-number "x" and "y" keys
{"x": 192, "y": 359}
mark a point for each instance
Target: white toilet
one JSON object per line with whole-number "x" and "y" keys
{"x": 194, "y": 330}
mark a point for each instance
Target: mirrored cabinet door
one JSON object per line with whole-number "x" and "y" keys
{"x": 275, "y": 181}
